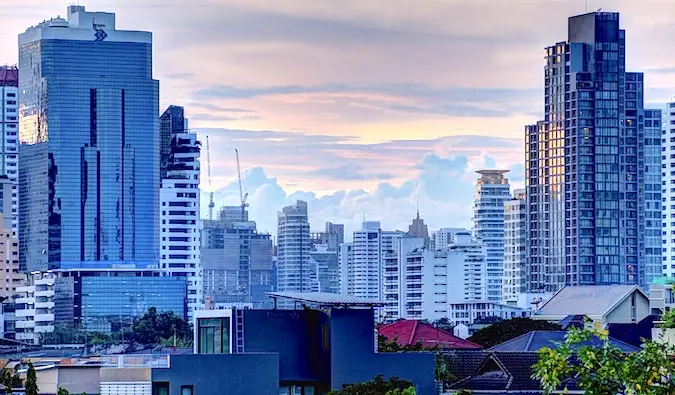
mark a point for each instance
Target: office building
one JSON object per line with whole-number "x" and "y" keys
{"x": 492, "y": 190}
{"x": 332, "y": 237}
{"x": 89, "y": 145}
{"x": 293, "y": 247}
{"x": 9, "y": 138}
{"x": 237, "y": 260}
{"x": 180, "y": 223}
{"x": 325, "y": 269}
{"x": 419, "y": 229}
{"x": 171, "y": 122}
{"x": 465, "y": 313}
{"x": 652, "y": 203}
{"x": 585, "y": 165}
{"x": 515, "y": 229}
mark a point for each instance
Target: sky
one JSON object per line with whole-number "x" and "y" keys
{"x": 363, "y": 108}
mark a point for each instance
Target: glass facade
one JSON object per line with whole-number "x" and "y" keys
{"x": 586, "y": 165}
{"x": 89, "y": 149}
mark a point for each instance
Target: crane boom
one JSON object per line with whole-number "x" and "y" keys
{"x": 243, "y": 196}
{"x": 208, "y": 164}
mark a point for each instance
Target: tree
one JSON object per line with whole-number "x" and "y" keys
{"x": 10, "y": 380}
{"x": 443, "y": 324}
{"x": 31, "y": 381}
{"x": 500, "y": 332}
{"x": 386, "y": 345}
{"x": 378, "y": 386}
{"x": 154, "y": 328}
{"x": 605, "y": 369}
{"x": 62, "y": 391}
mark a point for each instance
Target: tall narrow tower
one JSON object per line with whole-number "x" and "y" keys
{"x": 492, "y": 190}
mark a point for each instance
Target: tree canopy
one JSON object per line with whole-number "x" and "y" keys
{"x": 379, "y": 386}
{"x": 501, "y": 331}
{"x": 606, "y": 369}
{"x": 31, "y": 381}
{"x": 154, "y": 328}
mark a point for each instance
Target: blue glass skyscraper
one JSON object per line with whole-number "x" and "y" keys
{"x": 89, "y": 145}
{"x": 593, "y": 196}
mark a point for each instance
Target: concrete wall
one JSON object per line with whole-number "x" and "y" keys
{"x": 232, "y": 374}
{"x": 78, "y": 380}
{"x": 622, "y": 313}
{"x": 353, "y": 360}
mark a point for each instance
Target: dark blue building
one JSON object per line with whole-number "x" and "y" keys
{"x": 592, "y": 176}
{"x": 89, "y": 145}
{"x": 271, "y": 352}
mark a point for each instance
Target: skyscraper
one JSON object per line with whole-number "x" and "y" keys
{"x": 362, "y": 262}
{"x": 179, "y": 208}
{"x": 419, "y": 229}
{"x": 9, "y": 135}
{"x": 236, "y": 259}
{"x": 492, "y": 190}
{"x": 515, "y": 228}
{"x": 89, "y": 144}
{"x": 293, "y": 247}
{"x": 588, "y": 184}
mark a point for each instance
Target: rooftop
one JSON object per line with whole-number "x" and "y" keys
{"x": 325, "y": 299}
{"x": 411, "y": 332}
{"x": 590, "y": 300}
{"x": 536, "y": 340}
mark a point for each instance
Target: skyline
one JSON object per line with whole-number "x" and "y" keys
{"x": 420, "y": 78}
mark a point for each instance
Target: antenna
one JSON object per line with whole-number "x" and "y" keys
{"x": 208, "y": 164}
{"x": 243, "y": 196}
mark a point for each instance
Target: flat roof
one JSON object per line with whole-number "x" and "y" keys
{"x": 325, "y": 299}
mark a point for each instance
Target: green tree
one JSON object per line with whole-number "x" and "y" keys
{"x": 378, "y": 386}
{"x": 10, "y": 380}
{"x": 62, "y": 391}
{"x": 31, "y": 381}
{"x": 443, "y": 324}
{"x": 605, "y": 369}
{"x": 668, "y": 320}
{"x": 155, "y": 328}
{"x": 499, "y": 332}
{"x": 386, "y": 345}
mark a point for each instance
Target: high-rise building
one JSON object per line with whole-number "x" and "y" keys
{"x": 293, "y": 247}
{"x": 586, "y": 170}
{"x": 653, "y": 200}
{"x": 492, "y": 190}
{"x": 171, "y": 122}
{"x": 179, "y": 196}
{"x": 10, "y": 277}
{"x": 89, "y": 145}
{"x": 473, "y": 253}
{"x": 336, "y": 235}
{"x": 325, "y": 269}
{"x": 443, "y": 237}
{"x": 362, "y": 268}
{"x": 394, "y": 277}
{"x": 515, "y": 228}
{"x": 419, "y": 229}
{"x": 237, "y": 260}
{"x": 668, "y": 189}
{"x": 9, "y": 138}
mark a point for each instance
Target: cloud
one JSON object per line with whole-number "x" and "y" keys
{"x": 349, "y": 172}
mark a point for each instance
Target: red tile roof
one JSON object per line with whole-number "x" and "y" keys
{"x": 410, "y": 332}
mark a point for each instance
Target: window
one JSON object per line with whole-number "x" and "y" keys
{"x": 160, "y": 389}
{"x": 186, "y": 390}
{"x": 214, "y": 335}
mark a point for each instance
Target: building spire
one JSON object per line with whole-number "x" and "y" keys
{"x": 418, "y": 210}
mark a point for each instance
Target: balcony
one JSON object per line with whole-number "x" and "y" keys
{"x": 44, "y": 305}
{"x": 44, "y": 328}
{"x": 25, "y": 313}
{"x": 44, "y": 318}
{"x": 24, "y": 324}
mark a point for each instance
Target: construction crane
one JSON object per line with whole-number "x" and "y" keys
{"x": 243, "y": 196}
{"x": 208, "y": 164}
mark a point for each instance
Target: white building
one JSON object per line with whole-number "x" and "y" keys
{"x": 395, "y": 285}
{"x": 443, "y": 237}
{"x": 294, "y": 244}
{"x": 515, "y": 229}
{"x": 492, "y": 190}
{"x": 35, "y": 307}
{"x": 467, "y": 312}
{"x": 9, "y": 129}
{"x": 362, "y": 262}
{"x": 472, "y": 253}
{"x": 325, "y": 269}
{"x": 180, "y": 216}
{"x": 668, "y": 190}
